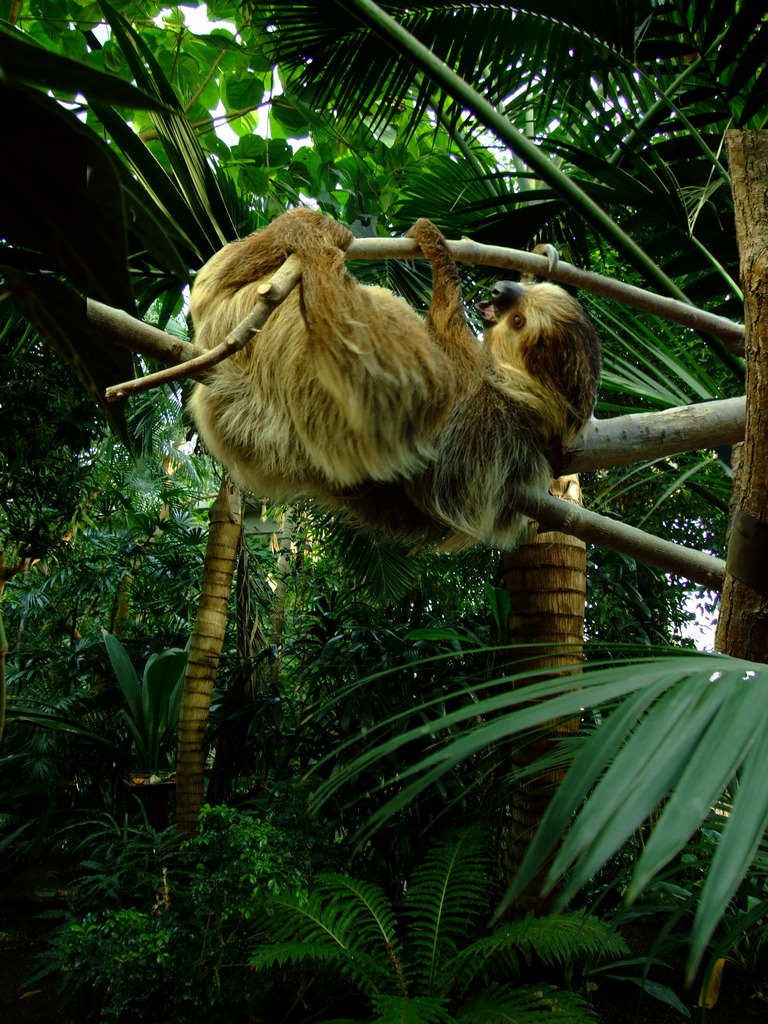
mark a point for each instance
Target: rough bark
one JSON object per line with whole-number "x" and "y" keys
{"x": 205, "y": 650}
{"x": 743, "y": 624}
{"x": 547, "y": 583}
{"x": 641, "y": 436}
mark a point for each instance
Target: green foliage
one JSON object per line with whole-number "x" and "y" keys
{"x": 673, "y": 736}
{"x": 239, "y": 860}
{"x": 153, "y": 702}
{"x": 430, "y": 960}
{"x": 47, "y": 428}
{"x": 120, "y": 956}
{"x": 177, "y": 949}
{"x": 119, "y": 861}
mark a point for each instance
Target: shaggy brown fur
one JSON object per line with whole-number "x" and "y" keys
{"x": 348, "y": 396}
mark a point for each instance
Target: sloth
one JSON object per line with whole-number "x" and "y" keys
{"x": 410, "y": 425}
{"x": 344, "y": 384}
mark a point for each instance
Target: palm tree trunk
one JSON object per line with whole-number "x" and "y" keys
{"x": 546, "y": 580}
{"x": 742, "y": 628}
{"x": 226, "y": 517}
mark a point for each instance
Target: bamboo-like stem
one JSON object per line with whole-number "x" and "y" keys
{"x": 226, "y": 519}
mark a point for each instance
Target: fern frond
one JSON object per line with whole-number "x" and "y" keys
{"x": 525, "y": 1005}
{"x": 345, "y": 923}
{"x": 282, "y": 954}
{"x": 415, "y": 1010}
{"x": 488, "y": 959}
{"x": 444, "y": 895}
{"x": 562, "y": 938}
{"x": 554, "y": 940}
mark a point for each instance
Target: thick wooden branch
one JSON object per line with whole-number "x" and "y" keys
{"x": 554, "y": 514}
{"x": 109, "y": 324}
{"x": 467, "y": 251}
{"x": 652, "y": 435}
{"x": 271, "y": 294}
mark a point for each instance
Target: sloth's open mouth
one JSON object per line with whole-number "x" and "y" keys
{"x": 485, "y": 309}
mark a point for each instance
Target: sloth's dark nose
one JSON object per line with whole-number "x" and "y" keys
{"x": 506, "y": 293}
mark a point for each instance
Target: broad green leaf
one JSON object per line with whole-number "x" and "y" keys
{"x": 742, "y": 834}
{"x": 127, "y": 677}
{"x": 710, "y": 768}
{"x": 23, "y": 61}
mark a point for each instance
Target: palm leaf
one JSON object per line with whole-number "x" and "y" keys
{"x": 76, "y": 226}
{"x": 127, "y": 677}
{"x": 386, "y": 572}
{"x": 23, "y": 60}
{"x": 668, "y": 713}
{"x": 404, "y": 1009}
{"x": 207, "y": 218}
{"x": 678, "y": 745}
{"x": 324, "y": 51}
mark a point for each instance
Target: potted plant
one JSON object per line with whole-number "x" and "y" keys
{"x": 152, "y": 718}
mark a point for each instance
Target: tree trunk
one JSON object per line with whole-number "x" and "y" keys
{"x": 547, "y": 583}
{"x": 226, "y": 518}
{"x": 742, "y": 629}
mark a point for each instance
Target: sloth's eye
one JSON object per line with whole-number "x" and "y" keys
{"x": 518, "y": 319}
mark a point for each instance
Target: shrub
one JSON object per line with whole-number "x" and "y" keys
{"x": 182, "y": 953}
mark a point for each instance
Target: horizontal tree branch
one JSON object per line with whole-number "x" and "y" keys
{"x": 637, "y": 437}
{"x": 467, "y": 251}
{"x": 554, "y": 514}
{"x": 271, "y": 294}
{"x": 119, "y": 328}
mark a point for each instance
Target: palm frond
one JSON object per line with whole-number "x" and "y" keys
{"x": 560, "y": 939}
{"x": 302, "y": 953}
{"x": 681, "y": 729}
{"x": 684, "y": 745}
{"x": 191, "y": 192}
{"x": 554, "y": 940}
{"x": 385, "y": 571}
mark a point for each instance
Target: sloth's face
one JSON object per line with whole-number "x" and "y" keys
{"x": 522, "y": 320}
{"x": 505, "y": 297}
{"x": 541, "y": 330}
{"x": 541, "y": 307}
